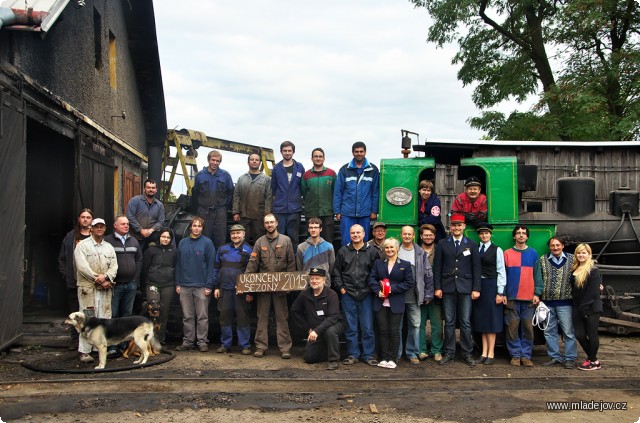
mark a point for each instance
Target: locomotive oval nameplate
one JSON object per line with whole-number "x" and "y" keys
{"x": 399, "y": 196}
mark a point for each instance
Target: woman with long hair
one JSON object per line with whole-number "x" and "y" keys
{"x": 158, "y": 274}
{"x": 586, "y": 284}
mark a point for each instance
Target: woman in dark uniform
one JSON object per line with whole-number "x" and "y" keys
{"x": 487, "y": 314}
{"x": 389, "y": 307}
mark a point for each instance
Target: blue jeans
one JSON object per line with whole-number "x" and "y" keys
{"x": 517, "y": 319}
{"x": 412, "y": 347}
{"x": 562, "y": 315}
{"x": 346, "y": 222}
{"x": 124, "y": 295}
{"x": 457, "y": 306}
{"x": 359, "y": 312}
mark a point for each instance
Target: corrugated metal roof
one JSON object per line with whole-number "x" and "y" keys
{"x": 33, "y": 15}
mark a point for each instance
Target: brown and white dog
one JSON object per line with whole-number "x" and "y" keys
{"x": 150, "y": 309}
{"x": 104, "y": 332}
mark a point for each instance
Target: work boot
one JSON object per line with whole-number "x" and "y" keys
{"x": 526, "y": 362}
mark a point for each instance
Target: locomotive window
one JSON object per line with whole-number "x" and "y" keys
{"x": 534, "y": 206}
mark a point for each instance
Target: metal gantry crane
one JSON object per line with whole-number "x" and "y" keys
{"x": 187, "y": 142}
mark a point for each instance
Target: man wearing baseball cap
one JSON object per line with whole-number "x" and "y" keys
{"x": 231, "y": 261}
{"x": 96, "y": 267}
{"x": 471, "y": 203}
{"x": 457, "y": 272}
{"x": 379, "y": 232}
{"x": 317, "y": 310}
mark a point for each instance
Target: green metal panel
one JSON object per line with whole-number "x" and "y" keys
{"x": 502, "y": 186}
{"x": 538, "y": 236}
{"x": 404, "y": 173}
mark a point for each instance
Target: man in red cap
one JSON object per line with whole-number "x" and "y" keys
{"x": 471, "y": 204}
{"x": 457, "y": 272}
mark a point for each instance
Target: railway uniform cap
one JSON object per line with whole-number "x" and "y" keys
{"x": 457, "y": 218}
{"x": 471, "y": 181}
{"x": 484, "y": 227}
{"x": 97, "y": 221}
{"x": 236, "y": 227}
{"x": 379, "y": 224}
{"x": 317, "y": 272}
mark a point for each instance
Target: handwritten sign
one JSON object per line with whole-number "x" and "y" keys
{"x": 272, "y": 282}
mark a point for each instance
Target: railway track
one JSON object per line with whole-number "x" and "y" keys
{"x": 404, "y": 394}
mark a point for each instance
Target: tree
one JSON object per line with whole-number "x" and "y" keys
{"x": 580, "y": 57}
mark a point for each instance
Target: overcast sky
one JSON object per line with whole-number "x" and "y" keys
{"x": 319, "y": 74}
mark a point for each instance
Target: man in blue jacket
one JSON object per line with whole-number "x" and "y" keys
{"x": 211, "y": 198}
{"x": 355, "y": 197}
{"x": 286, "y": 182}
{"x": 231, "y": 261}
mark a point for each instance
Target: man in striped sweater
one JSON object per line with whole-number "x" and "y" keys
{"x": 524, "y": 288}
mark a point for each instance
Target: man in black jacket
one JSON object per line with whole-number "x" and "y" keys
{"x": 129, "y": 257}
{"x": 351, "y": 279}
{"x": 317, "y": 309}
{"x": 457, "y": 272}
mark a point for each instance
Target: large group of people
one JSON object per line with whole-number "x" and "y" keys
{"x": 366, "y": 291}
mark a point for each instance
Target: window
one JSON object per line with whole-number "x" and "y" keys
{"x": 112, "y": 60}
{"x": 97, "y": 38}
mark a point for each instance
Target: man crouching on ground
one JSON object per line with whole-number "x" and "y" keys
{"x": 317, "y": 309}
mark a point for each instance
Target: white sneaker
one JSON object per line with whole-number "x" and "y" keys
{"x": 391, "y": 365}
{"x": 382, "y": 364}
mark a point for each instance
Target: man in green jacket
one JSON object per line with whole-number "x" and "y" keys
{"x": 317, "y": 190}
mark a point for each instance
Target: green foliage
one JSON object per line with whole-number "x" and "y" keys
{"x": 581, "y": 58}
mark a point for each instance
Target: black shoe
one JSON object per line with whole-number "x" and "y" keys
{"x": 482, "y": 359}
{"x": 445, "y": 360}
{"x": 184, "y": 347}
{"x": 569, "y": 364}
{"x": 470, "y": 361}
{"x": 489, "y": 361}
{"x": 552, "y": 362}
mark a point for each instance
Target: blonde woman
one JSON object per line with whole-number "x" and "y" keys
{"x": 587, "y": 305}
{"x": 389, "y": 308}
